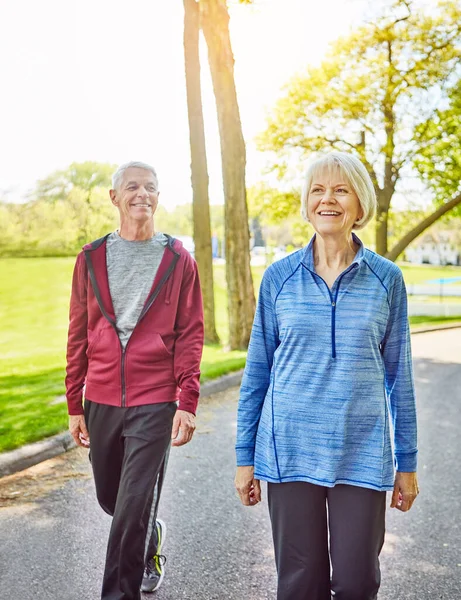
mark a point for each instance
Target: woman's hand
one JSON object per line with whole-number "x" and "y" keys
{"x": 248, "y": 488}
{"x": 405, "y": 491}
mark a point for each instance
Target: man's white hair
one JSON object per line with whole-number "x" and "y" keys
{"x": 119, "y": 173}
{"x": 355, "y": 172}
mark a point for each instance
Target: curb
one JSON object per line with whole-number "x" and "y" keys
{"x": 454, "y": 325}
{"x": 32, "y": 454}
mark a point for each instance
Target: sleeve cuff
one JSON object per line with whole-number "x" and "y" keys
{"x": 245, "y": 457}
{"x": 188, "y": 402}
{"x": 75, "y": 406}
{"x": 406, "y": 463}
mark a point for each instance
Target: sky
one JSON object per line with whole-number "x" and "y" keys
{"x": 104, "y": 80}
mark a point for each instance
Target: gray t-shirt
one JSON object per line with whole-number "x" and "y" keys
{"x": 131, "y": 269}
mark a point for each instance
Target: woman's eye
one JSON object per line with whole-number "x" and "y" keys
{"x": 342, "y": 191}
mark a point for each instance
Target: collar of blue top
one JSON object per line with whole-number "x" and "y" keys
{"x": 308, "y": 256}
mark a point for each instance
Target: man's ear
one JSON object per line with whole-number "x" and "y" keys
{"x": 113, "y": 197}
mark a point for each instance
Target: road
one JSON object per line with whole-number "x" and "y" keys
{"x": 53, "y": 534}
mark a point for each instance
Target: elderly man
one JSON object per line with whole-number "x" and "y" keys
{"x": 134, "y": 349}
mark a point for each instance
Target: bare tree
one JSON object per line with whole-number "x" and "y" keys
{"x": 199, "y": 169}
{"x": 215, "y": 26}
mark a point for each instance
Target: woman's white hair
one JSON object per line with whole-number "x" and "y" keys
{"x": 357, "y": 176}
{"x": 118, "y": 175}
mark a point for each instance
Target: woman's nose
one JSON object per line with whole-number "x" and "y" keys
{"x": 328, "y": 196}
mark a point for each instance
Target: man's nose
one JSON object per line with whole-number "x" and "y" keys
{"x": 142, "y": 192}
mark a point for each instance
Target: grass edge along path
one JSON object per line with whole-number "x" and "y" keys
{"x": 37, "y": 410}
{"x": 33, "y": 320}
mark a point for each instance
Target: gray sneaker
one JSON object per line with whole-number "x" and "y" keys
{"x": 155, "y": 567}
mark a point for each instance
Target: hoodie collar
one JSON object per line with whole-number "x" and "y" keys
{"x": 95, "y": 255}
{"x": 308, "y": 255}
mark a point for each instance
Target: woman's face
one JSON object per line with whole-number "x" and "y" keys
{"x": 332, "y": 205}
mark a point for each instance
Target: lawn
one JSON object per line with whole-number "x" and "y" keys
{"x": 33, "y": 320}
{"x": 426, "y": 273}
{"x": 34, "y": 299}
{"x": 419, "y": 321}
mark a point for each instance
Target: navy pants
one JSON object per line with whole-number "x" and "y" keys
{"x": 327, "y": 540}
{"x": 128, "y": 452}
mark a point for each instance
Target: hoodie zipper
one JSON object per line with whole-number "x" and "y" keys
{"x": 150, "y": 301}
{"x": 147, "y": 306}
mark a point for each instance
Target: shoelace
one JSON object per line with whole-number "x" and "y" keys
{"x": 154, "y": 565}
{"x": 160, "y": 559}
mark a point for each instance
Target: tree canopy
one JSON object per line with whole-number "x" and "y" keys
{"x": 84, "y": 176}
{"x": 378, "y": 93}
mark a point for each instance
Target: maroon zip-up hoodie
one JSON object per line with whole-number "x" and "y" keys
{"x": 161, "y": 361}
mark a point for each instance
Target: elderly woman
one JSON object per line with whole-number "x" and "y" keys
{"x": 328, "y": 368}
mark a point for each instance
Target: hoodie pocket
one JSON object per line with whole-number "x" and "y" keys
{"x": 148, "y": 361}
{"x": 149, "y": 348}
{"x": 104, "y": 357}
{"x": 94, "y": 337}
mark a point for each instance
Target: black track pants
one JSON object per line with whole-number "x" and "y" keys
{"x": 313, "y": 525}
{"x": 128, "y": 452}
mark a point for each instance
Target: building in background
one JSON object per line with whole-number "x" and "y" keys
{"x": 435, "y": 248}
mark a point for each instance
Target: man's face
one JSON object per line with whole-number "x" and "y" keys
{"x": 137, "y": 196}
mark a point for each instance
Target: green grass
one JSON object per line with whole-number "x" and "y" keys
{"x": 34, "y": 299}
{"x": 33, "y": 320}
{"x": 423, "y": 273}
{"x": 420, "y": 321}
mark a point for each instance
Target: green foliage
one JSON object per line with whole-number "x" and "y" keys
{"x": 438, "y": 160}
{"x": 279, "y": 214}
{"x": 372, "y": 94}
{"x": 271, "y": 205}
{"x": 69, "y": 209}
{"x": 58, "y": 228}
{"x": 84, "y": 176}
{"x": 176, "y": 222}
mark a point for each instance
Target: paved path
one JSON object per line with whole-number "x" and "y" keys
{"x": 53, "y": 534}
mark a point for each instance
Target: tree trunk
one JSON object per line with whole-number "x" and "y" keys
{"x": 422, "y": 226}
{"x": 199, "y": 170}
{"x": 382, "y": 218}
{"x": 215, "y": 25}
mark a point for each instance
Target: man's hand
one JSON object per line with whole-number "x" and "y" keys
{"x": 183, "y": 428}
{"x": 405, "y": 491}
{"x": 78, "y": 430}
{"x": 248, "y": 488}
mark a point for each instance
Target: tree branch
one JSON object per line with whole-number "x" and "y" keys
{"x": 422, "y": 226}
